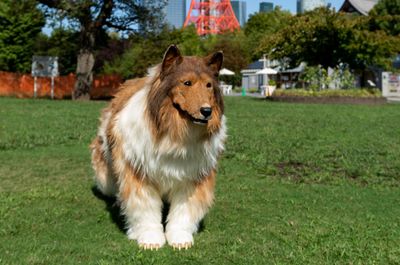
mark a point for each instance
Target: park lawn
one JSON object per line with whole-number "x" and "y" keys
{"x": 297, "y": 184}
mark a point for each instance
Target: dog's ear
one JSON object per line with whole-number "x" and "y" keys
{"x": 214, "y": 61}
{"x": 171, "y": 56}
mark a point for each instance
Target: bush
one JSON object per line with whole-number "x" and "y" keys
{"x": 237, "y": 89}
{"x": 356, "y": 93}
{"x": 317, "y": 78}
{"x": 252, "y": 90}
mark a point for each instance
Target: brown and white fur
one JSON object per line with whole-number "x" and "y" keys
{"x": 159, "y": 140}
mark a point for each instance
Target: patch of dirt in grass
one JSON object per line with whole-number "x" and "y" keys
{"x": 295, "y": 171}
{"x": 299, "y": 172}
{"x": 354, "y": 175}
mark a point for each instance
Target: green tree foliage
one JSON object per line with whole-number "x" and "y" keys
{"x": 386, "y": 7}
{"x": 93, "y": 18}
{"x": 236, "y": 53}
{"x": 363, "y": 47}
{"x": 20, "y": 24}
{"x": 114, "y": 48}
{"x": 62, "y": 43}
{"x": 386, "y": 16}
{"x": 312, "y": 37}
{"x": 149, "y": 51}
{"x": 316, "y": 78}
{"x": 260, "y": 25}
{"x": 190, "y": 43}
{"x": 328, "y": 38}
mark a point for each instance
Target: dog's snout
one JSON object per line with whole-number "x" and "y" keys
{"x": 206, "y": 111}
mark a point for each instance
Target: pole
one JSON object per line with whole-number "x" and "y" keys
{"x": 35, "y": 87}
{"x": 52, "y": 87}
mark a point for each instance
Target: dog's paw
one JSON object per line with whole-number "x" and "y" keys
{"x": 180, "y": 239}
{"x": 148, "y": 239}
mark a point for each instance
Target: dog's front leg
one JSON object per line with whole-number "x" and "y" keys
{"x": 142, "y": 205}
{"x": 190, "y": 201}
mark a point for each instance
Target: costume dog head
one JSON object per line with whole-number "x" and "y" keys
{"x": 185, "y": 94}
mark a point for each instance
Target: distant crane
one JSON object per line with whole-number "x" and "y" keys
{"x": 212, "y": 16}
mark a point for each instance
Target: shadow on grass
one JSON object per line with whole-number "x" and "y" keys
{"x": 165, "y": 214}
{"x": 114, "y": 210}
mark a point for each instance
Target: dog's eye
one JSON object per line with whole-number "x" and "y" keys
{"x": 187, "y": 83}
{"x": 208, "y": 85}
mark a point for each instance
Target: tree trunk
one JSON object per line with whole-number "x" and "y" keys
{"x": 84, "y": 75}
{"x": 363, "y": 83}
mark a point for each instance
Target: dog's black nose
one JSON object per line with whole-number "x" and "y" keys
{"x": 206, "y": 111}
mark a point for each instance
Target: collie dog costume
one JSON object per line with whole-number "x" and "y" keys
{"x": 158, "y": 141}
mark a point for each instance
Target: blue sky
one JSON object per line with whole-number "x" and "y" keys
{"x": 253, "y": 5}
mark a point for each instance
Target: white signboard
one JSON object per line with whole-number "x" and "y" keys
{"x": 390, "y": 84}
{"x": 44, "y": 66}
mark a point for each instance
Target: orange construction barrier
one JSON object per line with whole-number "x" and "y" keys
{"x": 21, "y": 86}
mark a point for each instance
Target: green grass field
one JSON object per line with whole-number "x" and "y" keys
{"x": 298, "y": 184}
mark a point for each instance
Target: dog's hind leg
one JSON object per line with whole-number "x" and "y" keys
{"x": 104, "y": 178}
{"x": 189, "y": 203}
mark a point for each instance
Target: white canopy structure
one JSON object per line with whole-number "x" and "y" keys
{"x": 225, "y": 71}
{"x": 267, "y": 71}
{"x": 360, "y": 6}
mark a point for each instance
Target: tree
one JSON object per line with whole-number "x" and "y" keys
{"x": 149, "y": 50}
{"x": 262, "y": 24}
{"x": 386, "y": 16}
{"x": 62, "y": 43}
{"x": 386, "y": 7}
{"x": 311, "y": 37}
{"x": 93, "y": 17}
{"x": 236, "y": 53}
{"x": 114, "y": 48}
{"x": 323, "y": 37}
{"x": 20, "y": 24}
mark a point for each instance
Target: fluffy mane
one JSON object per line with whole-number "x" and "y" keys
{"x": 165, "y": 116}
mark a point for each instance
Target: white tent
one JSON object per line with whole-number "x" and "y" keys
{"x": 225, "y": 71}
{"x": 265, "y": 89}
{"x": 267, "y": 71}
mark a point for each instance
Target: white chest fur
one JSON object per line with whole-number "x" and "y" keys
{"x": 167, "y": 161}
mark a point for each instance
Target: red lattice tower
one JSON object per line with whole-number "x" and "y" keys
{"x": 212, "y": 16}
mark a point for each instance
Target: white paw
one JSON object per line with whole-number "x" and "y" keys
{"x": 148, "y": 239}
{"x": 179, "y": 239}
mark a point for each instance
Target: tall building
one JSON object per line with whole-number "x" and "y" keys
{"x": 307, "y": 5}
{"x": 240, "y": 10}
{"x": 266, "y": 7}
{"x": 298, "y": 6}
{"x": 175, "y": 12}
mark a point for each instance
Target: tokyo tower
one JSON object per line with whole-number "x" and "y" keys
{"x": 212, "y": 16}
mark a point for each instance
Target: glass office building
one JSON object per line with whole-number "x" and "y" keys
{"x": 307, "y": 5}
{"x": 175, "y": 12}
{"x": 240, "y": 10}
{"x": 266, "y": 7}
